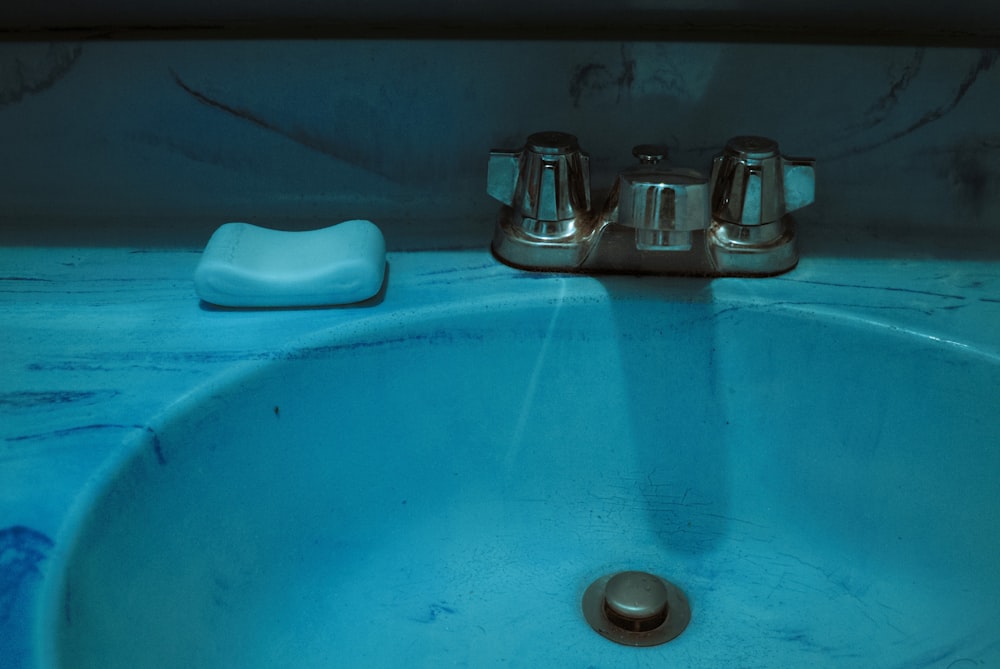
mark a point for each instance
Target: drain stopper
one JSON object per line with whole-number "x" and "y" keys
{"x": 635, "y": 608}
{"x": 636, "y": 601}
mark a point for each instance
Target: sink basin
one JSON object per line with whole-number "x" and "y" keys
{"x": 440, "y": 489}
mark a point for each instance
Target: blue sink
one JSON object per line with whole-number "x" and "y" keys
{"x": 440, "y": 489}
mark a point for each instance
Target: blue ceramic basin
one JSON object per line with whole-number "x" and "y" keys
{"x": 439, "y": 490}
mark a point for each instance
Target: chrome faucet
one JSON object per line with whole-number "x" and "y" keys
{"x": 656, "y": 219}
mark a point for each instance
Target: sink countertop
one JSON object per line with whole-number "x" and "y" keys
{"x": 98, "y": 341}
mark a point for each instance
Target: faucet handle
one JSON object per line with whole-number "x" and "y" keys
{"x": 753, "y": 184}
{"x": 547, "y": 182}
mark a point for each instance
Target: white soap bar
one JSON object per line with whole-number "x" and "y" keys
{"x": 245, "y": 265}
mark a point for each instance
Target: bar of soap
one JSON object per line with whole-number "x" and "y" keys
{"x": 245, "y": 265}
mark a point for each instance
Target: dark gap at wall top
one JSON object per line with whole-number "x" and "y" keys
{"x": 688, "y": 27}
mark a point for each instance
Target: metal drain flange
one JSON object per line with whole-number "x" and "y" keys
{"x": 635, "y": 608}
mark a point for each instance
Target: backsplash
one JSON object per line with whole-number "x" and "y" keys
{"x": 156, "y": 143}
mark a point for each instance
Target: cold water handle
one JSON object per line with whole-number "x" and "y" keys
{"x": 753, "y": 189}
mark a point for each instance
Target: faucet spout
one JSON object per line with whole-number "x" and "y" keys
{"x": 663, "y": 205}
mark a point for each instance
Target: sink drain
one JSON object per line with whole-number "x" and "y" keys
{"x": 636, "y": 609}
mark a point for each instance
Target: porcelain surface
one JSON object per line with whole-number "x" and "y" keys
{"x": 435, "y": 477}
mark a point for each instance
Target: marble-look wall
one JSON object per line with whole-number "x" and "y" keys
{"x": 155, "y": 143}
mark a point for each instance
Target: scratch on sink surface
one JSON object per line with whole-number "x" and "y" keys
{"x": 70, "y": 431}
{"x": 891, "y": 289}
{"x": 32, "y": 399}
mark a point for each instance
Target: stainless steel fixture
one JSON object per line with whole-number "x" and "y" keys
{"x": 656, "y": 218}
{"x": 636, "y": 608}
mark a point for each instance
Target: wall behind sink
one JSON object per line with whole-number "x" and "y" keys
{"x": 155, "y": 142}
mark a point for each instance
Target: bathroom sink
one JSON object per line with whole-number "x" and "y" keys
{"x": 440, "y": 489}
